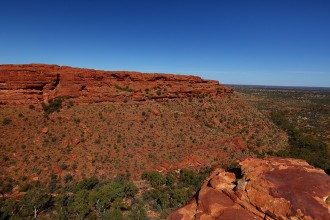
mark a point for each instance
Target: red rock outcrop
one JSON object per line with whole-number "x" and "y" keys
{"x": 270, "y": 188}
{"x": 35, "y": 83}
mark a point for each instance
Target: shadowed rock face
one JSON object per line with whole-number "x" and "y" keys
{"x": 271, "y": 188}
{"x": 34, "y": 83}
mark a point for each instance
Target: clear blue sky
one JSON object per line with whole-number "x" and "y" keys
{"x": 269, "y": 42}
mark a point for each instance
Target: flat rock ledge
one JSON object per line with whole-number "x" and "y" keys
{"x": 269, "y": 188}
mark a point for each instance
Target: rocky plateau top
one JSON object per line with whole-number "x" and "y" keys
{"x": 35, "y": 83}
{"x": 270, "y": 188}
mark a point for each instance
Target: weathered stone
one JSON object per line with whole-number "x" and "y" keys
{"x": 35, "y": 83}
{"x": 45, "y": 130}
{"x": 65, "y": 143}
{"x": 155, "y": 112}
{"x": 76, "y": 140}
{"x": 271, "y": 188}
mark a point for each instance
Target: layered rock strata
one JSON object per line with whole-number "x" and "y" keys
{"x": 35, "y": 83}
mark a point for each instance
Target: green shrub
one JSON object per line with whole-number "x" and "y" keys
{"x": 78, "y": 205}
{"x": 189, "y": 178}
{"x": 8, "y": 207}
{"x": 127, "y": 89}
{"x": 138, "y": 212}
{"x": 25, "y": 187}
{"x": 6, "y": 187}
{"x": 64, "y": 166}
{"x": 170, "y": 179}
{"x": 67, "y": 177}
{"x": 33, "y": 202}
{"x": 53, "y": 106}
{"x": 6, "y": 121}
{"x": 156, "y": 179}
{"x": 87, "y": 184}
{"x": 115, "y": 214}
{"x": 109, "y": 193}
{"x": 70, "y": 104}
{"x": 77, "y": 120}
{"x": 74, "y": 166}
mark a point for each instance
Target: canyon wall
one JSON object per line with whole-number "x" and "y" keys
{"x": 35, "y": 83}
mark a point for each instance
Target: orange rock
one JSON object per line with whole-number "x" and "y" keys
{"x": 216, "y": 121}
{"x": 155, "y": 112}
{"x": 57, "y": 169}
{"x": 82, "y": 125}
{"x": 240, "y": 143}
{"x": 65, "y": 143}
{"x": 15, "y": 189}
{"x": 45, "y": 130}
{"x": 76, "y": 140}
{"x": 35, "y": 83}
{"x": 271, "y": 188}
{"x": 223, "y": 180}
{"x": 185, "y": 213}
{"x": 73, "y": 156}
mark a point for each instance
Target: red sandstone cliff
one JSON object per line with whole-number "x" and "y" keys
{"x": 271, "y": 188}
{"x": 35, "y": 83}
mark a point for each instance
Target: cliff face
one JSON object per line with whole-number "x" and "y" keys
{"x": 35, "y": 83}
{"x": 271, "y": 188}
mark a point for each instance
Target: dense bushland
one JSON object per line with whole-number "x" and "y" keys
{"x": 301, "y": 145}
{"x": 172, "y": 190}
{"x": 92, "y": 198}
{"x": 88, "y": 199}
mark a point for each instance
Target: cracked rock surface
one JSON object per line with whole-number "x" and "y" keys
{"x": 269, "y": 188}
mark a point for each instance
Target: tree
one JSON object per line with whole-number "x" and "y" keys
{"x": 78, "y": 204}
{"x": 138, "y": 212}
{"x": 8, "y": 207}
{"x": 115, "y": 214}
{"x": 87, "y": 184}
{"x": 34, "y": 201}
{"x": 62, "y": 202}
{"x": 156, "y": 179}
{"x": 111, "y": 195}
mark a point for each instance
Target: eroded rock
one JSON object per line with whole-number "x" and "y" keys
{"x": 35, "y": 83}
{"x": 270, "y": 188}
{"x": 45, "y": 130}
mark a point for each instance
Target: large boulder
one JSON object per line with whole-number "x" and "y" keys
{"x": 270, "y": 188}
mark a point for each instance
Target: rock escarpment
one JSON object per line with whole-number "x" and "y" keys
{"x": 35, "y": 83}
{"x": 270, "y": 188}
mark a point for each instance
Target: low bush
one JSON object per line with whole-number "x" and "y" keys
{"x": 53, "y": 106}
{"x": 6, "y": 121}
